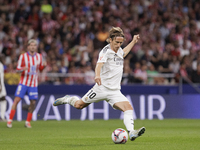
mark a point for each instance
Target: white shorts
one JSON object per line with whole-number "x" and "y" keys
{"x": 100, "y": 93}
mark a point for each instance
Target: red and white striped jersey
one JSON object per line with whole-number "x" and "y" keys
{"x": 34, "y": 64}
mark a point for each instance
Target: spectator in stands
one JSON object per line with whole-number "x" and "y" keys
{"x": 183, "y": 73}
{"x": 156, "y": 58}
{"x": 176, "y": 50}
{"x": 164, "y": 64}
{"x": 34, "y": 18}
{"x": 21, "y": 15}
{"x": 140, "y": 75}
{"x": 174, "y": 64}
{"x": 11, "y": 76}
{"x": 196, "y": 60}
{"x": 196, "y": 74}
{"x": 48, "y": 24}
{"x": 188, "y": 64}
{"x": 154, "y": 76}
{"x": 146, "y": 57}
{"x": 46, "y": 7}
{"x": 128, "y": 76}
{"x": 2, "y": 33}
{"x": 184, "y": 50}
{"x": 89, "y": 74}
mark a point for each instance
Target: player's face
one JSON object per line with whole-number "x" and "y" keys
{"x": 32, "y": 48}
{"x": 116, "y": 43}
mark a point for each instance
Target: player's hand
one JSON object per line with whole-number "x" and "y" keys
{"x": 25, "y": 68}
{"x": 44, "y": 64}
{"x": 98, "y": 80}
{"x": 136, "y": 38}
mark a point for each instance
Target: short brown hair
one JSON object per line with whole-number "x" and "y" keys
{"x": 115, "y": 32}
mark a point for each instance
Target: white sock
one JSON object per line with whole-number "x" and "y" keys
{"x": 71, "y": 100}
{"x": 128, "y": 120}
{"x": 3, "y": 108}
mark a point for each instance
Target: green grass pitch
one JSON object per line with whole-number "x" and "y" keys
{"x": 167, "y": 134}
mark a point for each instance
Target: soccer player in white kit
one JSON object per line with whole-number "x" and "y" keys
{"x": 108, "y": 75}
{"x": 3, "y": 102}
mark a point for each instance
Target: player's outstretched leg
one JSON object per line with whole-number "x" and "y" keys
{"x": 61, "y": 100}
{"x": 136, "y": 133}
{"x": 66, "y": 100}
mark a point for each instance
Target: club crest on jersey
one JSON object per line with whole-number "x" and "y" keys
{"x": 86, "y": 98}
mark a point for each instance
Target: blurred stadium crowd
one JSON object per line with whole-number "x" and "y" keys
{"x": 70, "y": 34}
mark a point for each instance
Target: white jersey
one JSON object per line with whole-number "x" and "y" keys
{"x": 2, "y": 86}
{"x": 112, "y": 70}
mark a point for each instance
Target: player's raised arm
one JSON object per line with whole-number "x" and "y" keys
{"x": 97, "y": 73}
{"x": 131, "y": 44}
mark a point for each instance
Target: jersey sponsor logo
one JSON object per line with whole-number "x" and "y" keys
{"x": 119, "y": 61}
{"x": 33, "y": 93}
{"x": 32, "y": 70}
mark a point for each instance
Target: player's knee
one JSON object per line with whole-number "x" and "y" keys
{"x": 17, "y": 100}
{"x": 32, "y": 106}
{"x": 127, "y": 107}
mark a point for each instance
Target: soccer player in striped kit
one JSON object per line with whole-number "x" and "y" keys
{"x": 29, "y": 64}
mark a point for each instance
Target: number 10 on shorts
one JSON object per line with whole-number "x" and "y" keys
{"x": 91, "y": 94}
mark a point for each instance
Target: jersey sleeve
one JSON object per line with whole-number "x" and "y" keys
{"x": 123, "y": 53}
{"x": 20, "y": 63}
{"x": 103, "y": 55}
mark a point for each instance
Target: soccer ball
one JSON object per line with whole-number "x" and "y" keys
{"x": 119, "y": 136}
